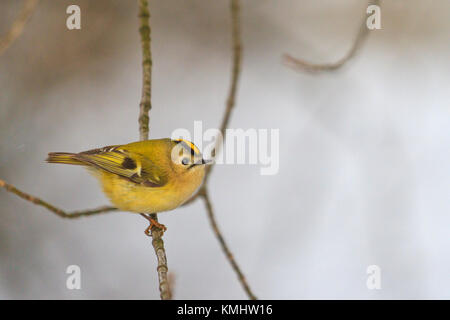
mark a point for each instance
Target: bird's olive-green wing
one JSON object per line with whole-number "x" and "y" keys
{"x": 127, "y": 164}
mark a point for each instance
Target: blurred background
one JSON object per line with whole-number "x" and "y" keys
{"x": 364, "y": 151}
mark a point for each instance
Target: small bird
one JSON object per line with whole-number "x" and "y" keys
{"x": 143, "y": 177}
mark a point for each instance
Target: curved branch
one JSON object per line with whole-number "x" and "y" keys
{"x": 302, "y": 65}
{"x": 18, "y": 25}
{"x": 224, "y": 246}
{"x": 52, "y": 208}
{"x": 230, "y": 103}
{"x": 235, "y": 73}
{"x": 145, "y": 106}
{"x": 158, "y": 245}
{"x": 231, "y": 99}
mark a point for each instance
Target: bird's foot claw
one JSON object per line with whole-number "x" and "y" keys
{"x": 154, "y": 224}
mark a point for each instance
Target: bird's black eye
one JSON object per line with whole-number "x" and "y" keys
{"x": 185, "y": 161}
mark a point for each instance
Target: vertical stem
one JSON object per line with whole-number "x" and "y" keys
{"x": 145, "y": 106}
{"x": 158, "y": 245}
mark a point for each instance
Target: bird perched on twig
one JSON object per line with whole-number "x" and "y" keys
{"x": 143, "y": 177}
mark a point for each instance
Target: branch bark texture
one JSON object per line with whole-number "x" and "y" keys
{"x": 52, "y": 208}
{"x": 145, "y": 106}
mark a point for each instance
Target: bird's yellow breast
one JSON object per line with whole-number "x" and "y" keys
{"x": 130, "y": 196}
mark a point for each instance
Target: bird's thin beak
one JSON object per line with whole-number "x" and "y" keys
{"x": 200, "y": 163}
{"x": 206, "y": 161}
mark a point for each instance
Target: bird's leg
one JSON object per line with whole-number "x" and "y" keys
{"x": 153, "y": 223}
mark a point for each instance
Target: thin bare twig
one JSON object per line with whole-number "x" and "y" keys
{"x": 158, "y": 245}
{"x": 224, "y": 246}
{"x": 302, "y": 65}
{"x": 55, "y": 210}
{"x": 230, "y": 103}
{"x": 235, "y": 73}
{"x": 145, "y": 106}
{"x": 231, "y": 99}
{"x": 18, "y": 25}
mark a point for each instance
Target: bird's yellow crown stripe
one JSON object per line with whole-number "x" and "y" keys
{"x": 189, "y": 145}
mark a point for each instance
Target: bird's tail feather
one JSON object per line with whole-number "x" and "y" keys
{"x": 63, "y": 157}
